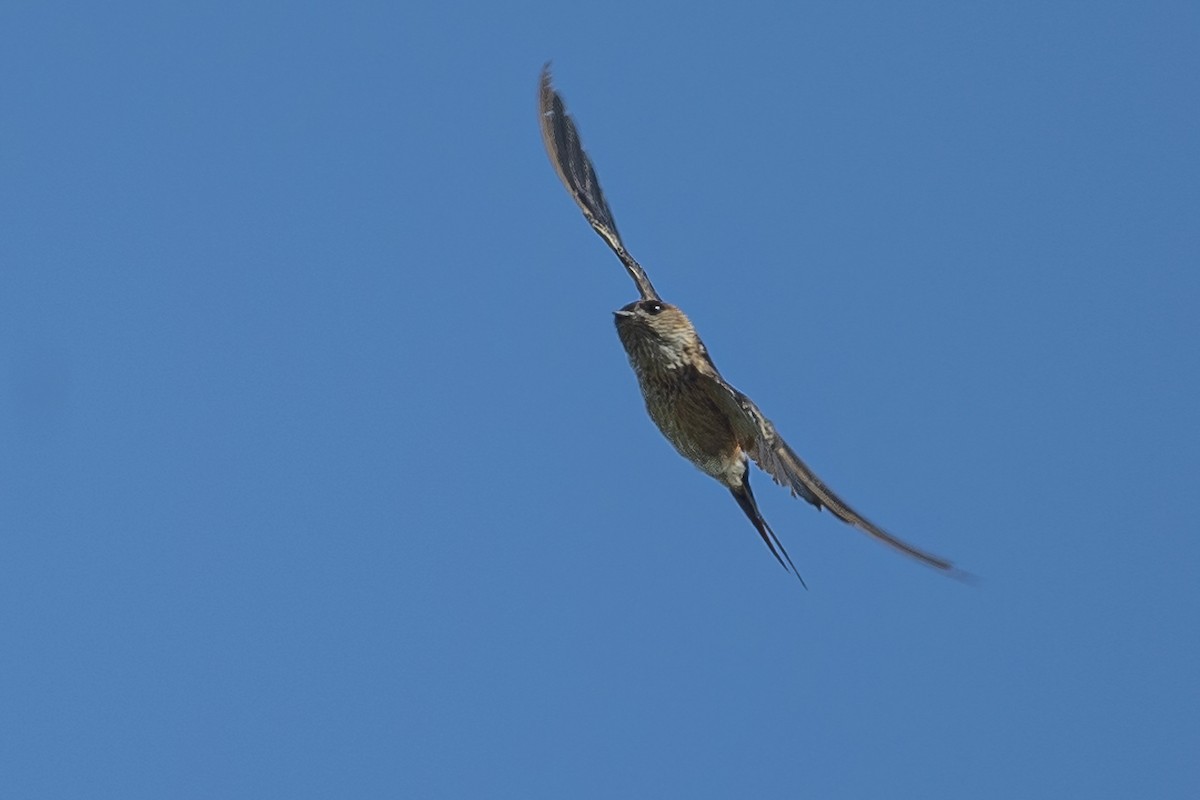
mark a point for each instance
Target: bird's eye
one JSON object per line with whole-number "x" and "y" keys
{"x": 652, "y": 307}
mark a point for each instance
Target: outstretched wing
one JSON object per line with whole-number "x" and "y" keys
{"x": 759, "y": 439}
{"x": 575, "y": 170}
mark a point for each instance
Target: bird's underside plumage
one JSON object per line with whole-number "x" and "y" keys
{"x": 707, "y": 420}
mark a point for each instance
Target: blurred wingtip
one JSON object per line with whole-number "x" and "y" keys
{"x": 962, "y": 576}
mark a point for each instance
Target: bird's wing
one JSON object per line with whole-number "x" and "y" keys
{"x": 759, "y": 439}
{"x": 575, "y": 170}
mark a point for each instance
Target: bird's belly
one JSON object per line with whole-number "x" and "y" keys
{"x": 695, "y": 425}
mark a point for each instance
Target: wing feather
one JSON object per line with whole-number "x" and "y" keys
{"x": 575, "y": 170}
{"x": 762, "y": 443}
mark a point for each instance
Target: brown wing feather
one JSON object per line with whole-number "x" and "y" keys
{"x": 759, "y": 439}
{"x": 575, "y": 170}
{"x": 795, "y": 471}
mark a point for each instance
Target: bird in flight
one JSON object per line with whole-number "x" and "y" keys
{"x": 709, "y": 422}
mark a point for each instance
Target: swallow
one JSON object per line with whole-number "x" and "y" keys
{"x": 708, "y": 421}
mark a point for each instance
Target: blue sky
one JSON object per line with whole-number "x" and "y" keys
{"x": 324, "y": 474}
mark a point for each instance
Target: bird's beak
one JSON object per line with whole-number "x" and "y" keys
{"x": 622, "y": 313}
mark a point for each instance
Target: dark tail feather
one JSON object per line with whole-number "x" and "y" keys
{"x": 745, "y": 499}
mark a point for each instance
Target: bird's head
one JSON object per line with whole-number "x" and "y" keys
{"x": 657, "y": 334}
